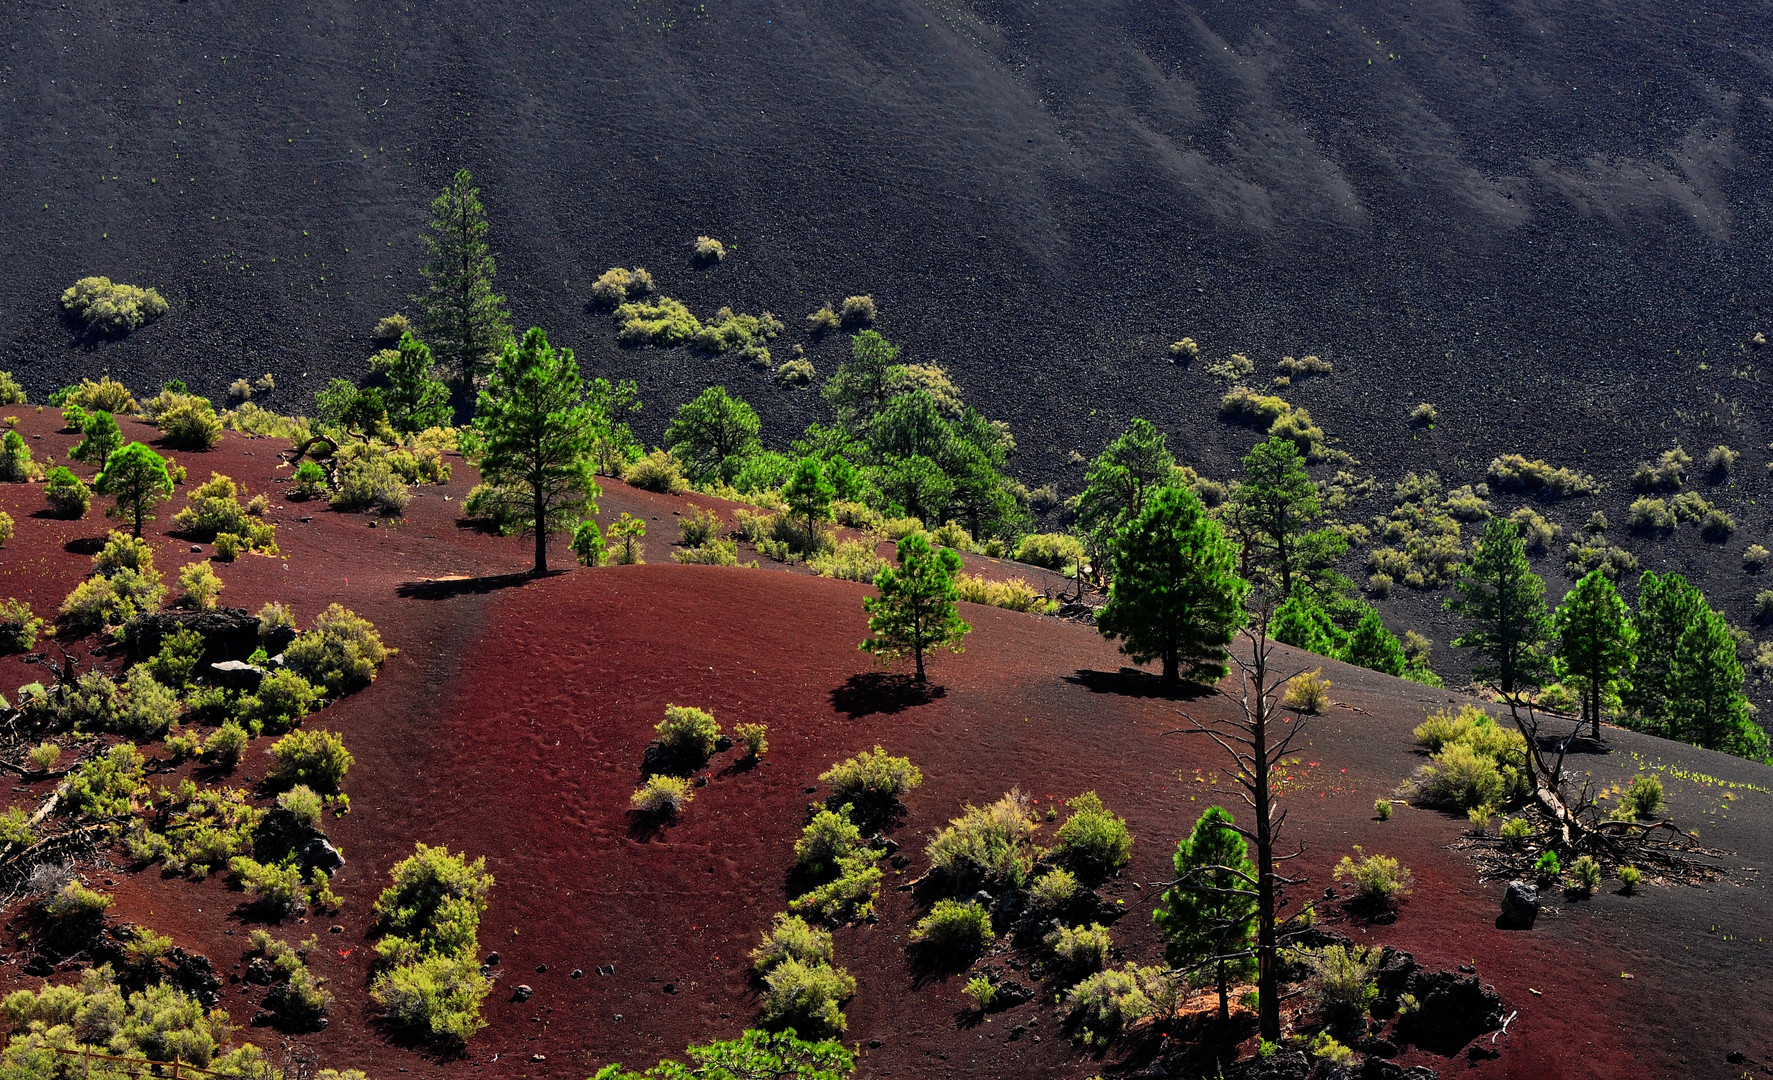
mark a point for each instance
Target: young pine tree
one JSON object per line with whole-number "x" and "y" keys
{"x": 1667, "y": 607}
{"x": 809, "y": 497}
{"x": 415, "y": 401}
{"x": 713, "y": 435}
{"x": 136, "y": 478}
{"x": 1209, "y": 914}
{"x": 1120, "y": 480}
{"x": 102, "y": 435}
{"x": 915, "y": 611}
{"x": 536, "y": 437}
{"x": 1374, "y": 647}
{"x": 1277, "y": 506}
{"x": 1707, "y": 707}
{"x": 860, "y": 386}
{"x": 1504, "y": 600}
{"x": 1596, "y": 644}
{"x": 1175, "y": 596}
{"x": 464, "y": 320}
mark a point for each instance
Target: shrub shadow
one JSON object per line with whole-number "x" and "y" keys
{"x": 445, "y": 588}
{"x": 85, "y": 545}
{"x": 644, "y": 828}
{"x": 1132, "y": 682}
{"x": 875, "y": 692}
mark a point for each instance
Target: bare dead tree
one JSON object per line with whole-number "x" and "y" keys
{"x": 1256, "y": 740}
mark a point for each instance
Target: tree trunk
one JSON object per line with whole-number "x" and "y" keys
{"x": 1267, "y": 973}
{"x": 919, "y": 651}
{"x": 1594, "y": 709}
{"x": 1224, "y": 1001}
{"x": 541, "y": 509}
{"x": 1172, "y": 668}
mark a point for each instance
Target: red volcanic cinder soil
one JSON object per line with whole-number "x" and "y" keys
{"x": 513, "y": 721}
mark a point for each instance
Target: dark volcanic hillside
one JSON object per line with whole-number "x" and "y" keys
{"x": 1551, "y": 220}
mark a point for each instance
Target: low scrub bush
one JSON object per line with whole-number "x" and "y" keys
{"x": 1629, "y": 877}
{"x": 1014, "y": 595}
{"x": 1536, "y": 531}
{"x": 688, "y": 731}
{"x": 791, "y": 938}
{"x": 1512, "y": 472}
{"x": 429, "y": 921}
{"x": 1233, "y": 368}
{"x": 707, "y": 249}
{"x": 823, "y": 320}
{"x": 829, "y": 837}
{"x": 16, "y": 464}
{"x": 74, "y": 902}
{"x": 796, "y": 371}
{"x": 699, "y": 526}
{"x": 1423, "y": 415}
{"x": 109, "y": 307}
{"x": 43, "y": 756}
{"x": 11, "y": 393}
{"x": 1342, "y": 982}
{"x": 858, "y": 311}
{"x": 112, "y": 600}
{"x": 662, "y": 796}
{"x": 19, "y": 626}
{"x": 617, "y": 284}
{"x": 1185, "y": 351}
{"x": 1053, "y": 551}
{"x": 1755, "y": 557}
{"x": 753, "y": 738}
{"x": 213, "y": 507}
{"x": 1108, "y": 1001}
{"x": 847, "y": 897}
{"x": 1516, "y": 831}
{"x": 1548, "y": 867}
{"x": 1053, "y": 891}
{"x": 1080, "y": 950}
{"x": 1666, "y": 473}
{"x": 1094, "y": 841}
{"x": 201, "y": 584}
{"x": 369, "y": 483}
{"x": 277, "y": 888}
{"x": 315, "y": 758}
{"x": 1720, "y": 461}
{"x": 341, "y": 651}
{"x": 850, "y": 560}
{"x": 871, "y": 777}
{"x": 954, "y": 927}
{"x": 1585, "y": 876}
{"x": 663, "y": 322}
{"x": 1379, "y": 880}
{"x": 145, "y": 708}
{"x": 986, "y": 846}
{"x": 1308, "y": 692}
{"x": 1643, "y": 799}
{"x": 1304, "y": 365}
{"x": 806, "y": 998}
{"x": 68, "y": 495}
{"x": 107, "y": 786}
{"x": 712, "y": 553}
{"x": 437, "y": 996}
{"x": 1382, "y": 809}
{"x": 729, "y": 330}
{"x": 981, "y": 991}
{"x": 227, "y": 744}
{"x": 280, "y": 701}
{"x": 391, "y": 328}
{"x": 624, "y": 539}
{"x": 189, "y": 422}
{"x": 657, "y": 471}
{"x": 1582, "y": 559}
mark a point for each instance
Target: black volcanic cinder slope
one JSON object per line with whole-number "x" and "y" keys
{"x": 1549, "y": 219}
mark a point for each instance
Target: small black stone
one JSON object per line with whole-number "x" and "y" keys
{"x": 541, "y": 969}
{"x": 492, "y": 958}
{"x": 577, "y": 974}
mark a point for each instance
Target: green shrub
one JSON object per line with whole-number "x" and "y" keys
{"x": 658, "y": 471}
{"x": 310, "y": 480}
{"x": 1666, "y": 473}
{"x": 19, "y": 626}
{"x": 688, "y": 731}
{"x": 1629, "y": 877}
{"x": 828, "y": 838}
{"x": 791, "y": 938}
{"x": 189, "y": 422}
{"x": 712, "y": 553}
{"x": 1717, "y": 525}
{"x": 1382, "y": 809}
{"x": 1308, "y": 692}
{"x": 369, "y": 483}
{"x": 104, "y": 601}
{"x": 1093, "y": 841}
{"x": 1582, "y": 559}
{"x": 990, "y": 845}
{"x": 624, "y": 536}
{"x": 1184, "y": 351}
{"x": 1461, "y": 777}
{"x": 1081, "y": 950}
{"x": 618, "y": 283}
{"x": 806, "y": 997}
{"x": 102, "y": 438}
{"x": 1536, "y": 531}
{"x": 302, "y": 801}
{"x": 201, "y": 584}
{"x": 1054, "y": 551}
{"x": 663, "y": 322}
{"x": 107, "y": 786}
{"x": 752, "y": 738}
{"x": 1512, "y": 472}
{"x": 847, "y": 897}
{"x": 145, "y": 708}
{"x": 68, "y": 495}
{"x": 662, "y": 796}
{"x": 707, "y": 249}
{"x": 11, "y": 393}
{"x": 340, "y": 651}
{"x": 1342, "y": 981}
{"x": 871, "y": 777}
{"x": 43, "y": 756}
{"x": 77, "y": 903}
{"x": 1517, "y": 831}
{"x": 1110, "y": 1000}
{"x": 227, "y": 744}
{"x": 850, "y": 560}
{"x": 433, "y": 906}
{"x": 797, "y": 371}
{"x": 1305, "y": 365}
{"x": 437, "y": 996}
{"x": 982, "y": 991}
{"x": 1585, "y": 876}
{"x": 1013, "y": 595}
{"x": 213, "y": 507}
{"x": 956, "y": 928}
{"x": 759, "y": 1054}
{"x": 823, "y": 320}
{"x": 1643, "y": 799}
{"x": 1548, "y": 868}
{"x": 1423, "y": 415}
{"x": 1232, "y": 368}
{"x": 312, "y": 757}
{"x": 16, "y": 464}
{"x": 108, "y": 307}
{"x": 858, "y": 311}
{"x": 1053, "y": 891}
{"x": 746, "y": 333}
{"x": 281, "y": 700}
{"x": 1378, "y": 879}
{"x": 699, "y": 526}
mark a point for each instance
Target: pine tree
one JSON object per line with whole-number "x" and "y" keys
{"x": 1667, "y": 607}
{"x": 1277, "y": 505}
{"x": 1707, "y": 707}
{"x": 1121, "y": 478}
{"x": 414, "y": 400}
{"x": 1596, "y": 644}
{"x": 1209, "y": 913}
{"x": 713, "y": 435}
{"x": 463, "y": 319}
{"x": 1300, "y": 621}
{"x": 1505, "y": 601}
{"x": 915, "y": 611}
{"x": 536, "y": 433}
{"x": 861, "y": 385}
{"x": 135, "y": 476}
{"x": 1374, "y": 647}
{"x": 809, "y": 497}
{"x": 102, "y": 435}
{"x": 1175, "y": 597}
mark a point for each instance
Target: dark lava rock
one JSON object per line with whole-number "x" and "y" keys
{"x": 521, "y": 992}
{"x": 1520, "y": 906}
{"x": 577, "y": 973}
{"x": 492, "y": 958}
{"x": 1451, "y": 1010}
{"x": 261, "y": 972}
{"x": 281, "y": 833}
{"x": 900, "y": 862}
{"x": 40, "y": 967}
{"x": 1736, "y": 1057}
{"x": 1290, "y": 1065}
{"x": 229, "y": 633}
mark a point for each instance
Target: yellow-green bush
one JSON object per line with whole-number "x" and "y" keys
{"x": 112, "y": 307}
{"x": 1513, "y": 472}
{"x": 618, "y": 284}
{"x": 662, "y": 321}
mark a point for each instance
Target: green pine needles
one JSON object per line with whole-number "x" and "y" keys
{"x": 464, "y": 320}
{"x": 915, "y": 611}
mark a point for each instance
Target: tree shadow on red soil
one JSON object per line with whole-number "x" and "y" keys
{"x": 85, "y": 545}
{"x": 873, "y": 692}
{"x": 445, "y": 588}
{"x": 1132, "y": 682}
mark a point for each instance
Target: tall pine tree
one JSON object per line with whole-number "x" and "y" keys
{"x": 535, "y": 434}
{"x": 1276, "y": 506}
{"x": 1504, "y": 600}
{"x": 1596, "y": 644}
{"x": 464, "y": 320}
{"x": 1176, "y": 596}
{"x": 1707, "y": 707}
{"x": 1667, "y": 606}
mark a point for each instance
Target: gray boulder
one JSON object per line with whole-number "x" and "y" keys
{"x": 1520, "y": 906}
